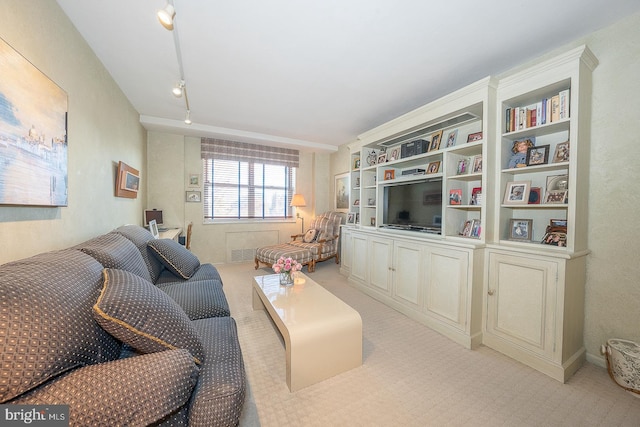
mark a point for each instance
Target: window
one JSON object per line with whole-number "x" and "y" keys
{"x": 247, "y": 181}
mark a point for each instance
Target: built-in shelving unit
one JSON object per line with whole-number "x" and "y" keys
{"x": 477, "y": 235}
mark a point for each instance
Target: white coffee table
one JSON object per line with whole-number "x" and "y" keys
{"x": 322, "y": 334}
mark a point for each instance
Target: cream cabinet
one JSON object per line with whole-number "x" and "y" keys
{"x": 346, "y": 252}
{"x": 535, "y": 310}
{"x": 432, "y": 283}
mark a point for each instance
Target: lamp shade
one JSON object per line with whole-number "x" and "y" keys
{"x": 297, "y": 201}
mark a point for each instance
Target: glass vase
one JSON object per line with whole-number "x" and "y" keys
{"x": 286, "y": 279}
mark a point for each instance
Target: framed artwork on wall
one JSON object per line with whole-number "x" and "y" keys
{"x": 33, "y": 125}
{"x": 341, "y": 192}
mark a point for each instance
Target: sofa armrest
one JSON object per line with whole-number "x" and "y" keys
{"x": 149, "y": 388}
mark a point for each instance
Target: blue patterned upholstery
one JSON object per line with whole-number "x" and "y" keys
{"x": 115, "y": 251}
{"x": 45, "y": 304}
{"x": 140, "y": 236}
{"x": 141, "y": 315}
{"x": 150, "y": 388}
{"x": 199, "y": 298}
{"x": 175, "y": 257}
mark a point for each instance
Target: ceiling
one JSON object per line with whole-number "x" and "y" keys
{"x": 317, "y": 74}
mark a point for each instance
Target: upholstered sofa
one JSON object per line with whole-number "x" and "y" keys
{"x": 125, "y": 329}
{"x": 319, "y": 243}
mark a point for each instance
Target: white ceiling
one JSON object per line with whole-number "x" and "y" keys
{"x": 317, "y": 74}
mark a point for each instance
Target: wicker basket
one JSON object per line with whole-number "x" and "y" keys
{"x": 623, "y": 363}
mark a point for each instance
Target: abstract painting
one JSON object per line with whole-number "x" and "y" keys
{"x": 33, "y": 134}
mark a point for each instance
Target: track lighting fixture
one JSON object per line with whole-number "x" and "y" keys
{"x": 166, "y": 15}
{"x": 187, "y": 120}
{"x": 177, "y": 91}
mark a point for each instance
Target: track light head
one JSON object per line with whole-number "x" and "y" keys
{"x": 187, "y": 120}
{"x": 166, "y": 15}
{"x": 177, "y": 91}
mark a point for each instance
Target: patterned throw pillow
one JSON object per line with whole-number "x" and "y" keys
{"x": 179, "y": 260}
{"x": 113, "y": 250}
{"x": 141, "y": 315}
{"x": 309, "y": 236}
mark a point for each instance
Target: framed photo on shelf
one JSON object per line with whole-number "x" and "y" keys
{"x": 433, "y": 167}
{"x": 463, "y": 166}
{"x": 451, "y": 138}
{"x": 356, "y": 163}
{"x": 357, "y": 217}
{"x": 357, "y": 202}
{"x": 562, "y": 153}
{"x": 351, "y": 218}
{"x": 477, "y": 163}
{"x": 373, "y": 221}
{"x": 476, "y": 196}
{"x": 382, "y": 158}
{"x": 389, "y": 174}
{"x": 517, "y": 193}
{"x": 557, "y": 182}
{"x": 473, "y": 137}
{"x": 153, "y": 228}
{"x": 558, "y": 223}
{"x": 520, "y": 229}
{"x": 475, "y": 228}
{"x": 436, "y": 138}
{"x": 395, "y": 154}
{"x": 455, "y": 196}
{"x": 535, "y": 196}
{"x": 466, "y": 228}
{"x": 538, "y": 155}
{"x": 556, "y": 196}
{"x": 555, "y": 238}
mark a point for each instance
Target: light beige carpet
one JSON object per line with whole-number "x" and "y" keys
{"x": 411, "y": 375}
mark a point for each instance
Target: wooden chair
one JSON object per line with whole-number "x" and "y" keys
{"x": 188, "y": 242}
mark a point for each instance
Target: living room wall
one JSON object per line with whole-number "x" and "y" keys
{"x": 103, "y": 128}
{"x": 172, "y": 158}
{"x": 612, "y": 291}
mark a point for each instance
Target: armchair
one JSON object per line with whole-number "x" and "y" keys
{"x": 319, "y": 243}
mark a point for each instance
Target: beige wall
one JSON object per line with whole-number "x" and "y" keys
{"x": 172, "y": 158}
{"x": 103, "y": 128}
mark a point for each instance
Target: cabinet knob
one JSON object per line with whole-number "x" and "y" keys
{"x": 491, "y": 292}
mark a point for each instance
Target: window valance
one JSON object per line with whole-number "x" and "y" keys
{"x": 220, "y": 149}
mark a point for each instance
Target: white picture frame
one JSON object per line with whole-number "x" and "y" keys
{"x": 341, "y": 194}
{"x": 153, "y": 228}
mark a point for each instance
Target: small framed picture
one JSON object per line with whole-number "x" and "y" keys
{"x": 153, "y": 228}
{"x": 466, "y": 228}
{"x": 194, "y": 180}
{"x": 451, "y": 138}
{"x": 556, "y": 196}
{"x": 357, "y": 217}
{"x": 382, "y": 158}
{"x": 463, "y": 166}
{"x": 562, "y": 153}
{"x": 433, "y": 167}
{"x": 436, "y": 138}
{"x": 356, "y": 163}
{"x": 455, "y": 196}
{"x": 389, "y": 174}
{"x": 395, "y": 154}
{"x": 477, "y": 164}
{"x": 129, "y": 181}
{"x": 520, "y": 229}
{"x": 476, "y": 196}
{"x": 373, "y": 221}
{"x": 535, "y": 196}
{"x": 473, "y": 137}
{"x": 351, "y": 218}
{"x": 193, "y": 196}
{"x": 555, "y": 238}
{"x": 538, "y": 155}
{"x": 558, "y": 223}
{"x": 517, "y": 193}
{"x": 357, "y": 202}
{"x": 475, "y": 228}
{"x": 371, "y": 202}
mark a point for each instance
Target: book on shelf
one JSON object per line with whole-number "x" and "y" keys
{"x": 547, "y": 110}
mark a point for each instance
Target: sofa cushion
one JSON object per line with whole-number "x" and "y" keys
{"x": 136, "y": 391}
{"x": 47, "y": 321}
{"x": 220, "y": 392}
{"x": 115, "y": 251}
{"x": 140, "y": 236}
{"x": 199, "y": 299}
{"x": 205, "y": 272}
{"x": 141, "y": 315}
{"x": 175, "y": 257}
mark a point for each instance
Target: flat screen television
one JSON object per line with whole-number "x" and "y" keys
{"x": 415, "y": 206}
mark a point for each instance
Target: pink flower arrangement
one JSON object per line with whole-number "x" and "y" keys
{"x": 286, "y": 265}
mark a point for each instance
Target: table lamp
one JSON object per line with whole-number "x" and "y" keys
{"x": 297, "y": 201}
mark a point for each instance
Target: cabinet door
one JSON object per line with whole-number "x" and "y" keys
{"x": 380, "y": 263}
{"x": 346, "y": 251}
{"x": 407, "y": 272}
{"x": 447, "y": 285}
{"x": 521, "y": 301}
{"x": 360, "y": 257}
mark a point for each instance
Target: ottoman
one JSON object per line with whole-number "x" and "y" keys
{"x": 269, "y": 255}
